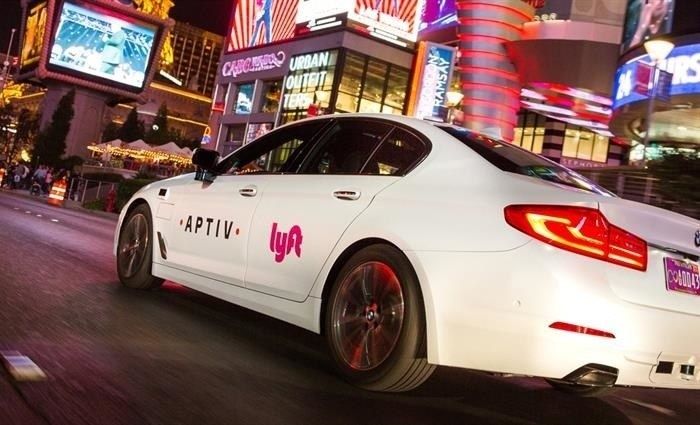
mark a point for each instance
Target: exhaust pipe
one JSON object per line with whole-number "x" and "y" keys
{"x": 592, "y": 375}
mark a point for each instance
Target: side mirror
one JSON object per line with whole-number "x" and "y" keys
{"x": 205, "y": 160}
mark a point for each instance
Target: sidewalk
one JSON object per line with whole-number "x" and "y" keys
{"x": 68, "y": 204}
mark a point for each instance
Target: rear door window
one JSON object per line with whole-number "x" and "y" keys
{"x": 397, "y": 155}
{"x": 514, "y": 159}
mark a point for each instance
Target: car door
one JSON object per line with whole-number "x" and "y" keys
{"x": 301, "y": 217}
{"x": 211, "y": 220}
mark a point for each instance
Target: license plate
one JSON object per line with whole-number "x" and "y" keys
{"x": 682, "y": 276}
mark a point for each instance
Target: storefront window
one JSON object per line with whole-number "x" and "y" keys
{"x": 529, "y": 134}
{"x": 234, "y": 138}
{"x": 396, "y": 91}
{"x": 244, "y": 99}
{"x": 271, "y": 96}
{"x": 350, "y": 83}
{"x": 370, "y": 85}
{"x": 584, "y": 144}
{"x": 309, "y": 82}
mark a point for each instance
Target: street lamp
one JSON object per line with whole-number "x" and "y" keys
{"x": 6, "y": 66}
{"x": 657, "y": 50}
{"x": 454, "y": 98}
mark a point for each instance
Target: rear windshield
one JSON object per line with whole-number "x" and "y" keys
{"x": 514, "y": 159}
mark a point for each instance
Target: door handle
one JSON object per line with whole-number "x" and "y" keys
{"x": 347, "y": 195}
{"x": 248, "y": 191}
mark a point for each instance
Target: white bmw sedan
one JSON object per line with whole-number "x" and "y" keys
{"x": 410, "y": 244}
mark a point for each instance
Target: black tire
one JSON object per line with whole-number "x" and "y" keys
{"x": 135, "y": 250}
{"x": 578, "y": 389}
{"x": 376, "y": 301}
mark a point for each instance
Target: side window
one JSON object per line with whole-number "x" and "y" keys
{"x": 276, "y": 152}
{"x": 399, "y": 152}
{"x": 347, "y": 147}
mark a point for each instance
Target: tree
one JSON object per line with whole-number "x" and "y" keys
{"x": 6, "y": 120}
{"x": 132, "y": 129}
{"x": 51, "y": 142}
{"x": 27, "y": 127}
{"x": 679, "y": 178}
{"x": 110, "y": 132}
{"x": 158, "y": 134}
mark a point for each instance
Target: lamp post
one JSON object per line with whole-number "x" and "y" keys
{"x": 454, "y": 98}
{"x": 6, "y": 67}
{"x": 657, "y": 50}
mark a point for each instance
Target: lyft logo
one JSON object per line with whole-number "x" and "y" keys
{"x": 282, "y": 243}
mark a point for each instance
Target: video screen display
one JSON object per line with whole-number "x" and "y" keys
{"x": 258, "y": 22}
{"x": 437, "y": 14}
{"x": 395, "y": 17}
{"x": 95, "y": 42}
{"x": 34, "y": 29}
{"x": 645, "y": 19}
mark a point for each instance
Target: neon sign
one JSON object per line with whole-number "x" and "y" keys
{"x": 250, "y": 64}
{"x": 683, "y": 63}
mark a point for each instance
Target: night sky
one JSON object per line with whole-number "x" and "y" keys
{"x": 212, "y": 15}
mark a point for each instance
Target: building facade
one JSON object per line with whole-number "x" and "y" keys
{"x": 196, "y": 54}
{"x": 671, "y": 118}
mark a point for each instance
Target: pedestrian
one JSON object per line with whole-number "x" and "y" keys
{"x": 48, "y": 180}
{"x": 18, "y": 175}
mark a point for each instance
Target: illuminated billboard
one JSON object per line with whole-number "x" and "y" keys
{"x": 259, "y": 22}
{"x": 392, "y": 20}
{"x": 92, "y": 41}
{"x": 645, "y": 19}
{"x": 34, "y": 33}
{"x": 436, "y": 14}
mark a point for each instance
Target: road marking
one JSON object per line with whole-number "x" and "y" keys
{"x": 22, "y": 368}
{"x": 27, "y": 212}
{"x": 16, "y": 208}
{"x": 54, "y": 220}
{"x": 39, "y": 215}
{"x": 654, "y": 407}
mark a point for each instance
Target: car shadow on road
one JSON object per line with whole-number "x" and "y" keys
{"x": 291, "y": 363}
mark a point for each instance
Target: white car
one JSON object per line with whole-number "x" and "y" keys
{"x": 411, "y": 244}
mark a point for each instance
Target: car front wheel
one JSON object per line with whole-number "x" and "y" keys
{"x": 375, "y": 322}
{"x": 135, "y": 250}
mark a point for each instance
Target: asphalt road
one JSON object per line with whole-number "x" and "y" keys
{"x": 175, "y": 356}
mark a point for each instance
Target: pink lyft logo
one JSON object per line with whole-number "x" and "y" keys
{"x": 282, "y": 243}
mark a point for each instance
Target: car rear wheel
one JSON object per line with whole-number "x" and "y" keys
{"x": 135, "y": 250}
{"x": 375, "y": 322}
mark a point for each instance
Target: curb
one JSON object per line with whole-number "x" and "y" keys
{"x": 67, "y": 204}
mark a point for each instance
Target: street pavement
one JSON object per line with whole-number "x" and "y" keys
{"x": 175, "y": 356}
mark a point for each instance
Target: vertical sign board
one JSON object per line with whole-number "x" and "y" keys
{"x": 431, "y": 79}
{"x": 642, "y": 78}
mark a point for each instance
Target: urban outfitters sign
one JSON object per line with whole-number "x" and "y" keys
{"x": 683, "y": 63}
{"x": 307, "y": 74}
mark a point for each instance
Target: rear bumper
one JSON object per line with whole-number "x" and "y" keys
{"x": 492, "y": 311}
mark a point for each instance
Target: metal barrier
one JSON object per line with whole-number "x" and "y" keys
{"x": 85, "y": 190}
{"x": 637, "y": 185}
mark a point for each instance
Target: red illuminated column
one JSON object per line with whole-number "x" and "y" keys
{"x": 489, "y": 80}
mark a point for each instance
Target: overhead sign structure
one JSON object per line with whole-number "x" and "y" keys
{"x": 432, "y": 80}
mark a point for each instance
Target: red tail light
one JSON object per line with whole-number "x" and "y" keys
{"x": 581, "y": 230}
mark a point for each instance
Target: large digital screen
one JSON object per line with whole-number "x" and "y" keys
{"x": 96, "y": 42}
{"x": 437, "y": 14}
{"x": 34, "y": 30}
{"x": 389, "y": 18}
{"x": 645, "y": 19}
{"x": 258, "y": 22}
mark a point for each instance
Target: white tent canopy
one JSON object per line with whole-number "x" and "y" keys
{"x": 139, "y": 144}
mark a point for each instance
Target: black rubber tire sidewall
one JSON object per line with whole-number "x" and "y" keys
{"x": 142, "y": 279}
{"x": 410, "y": 348}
